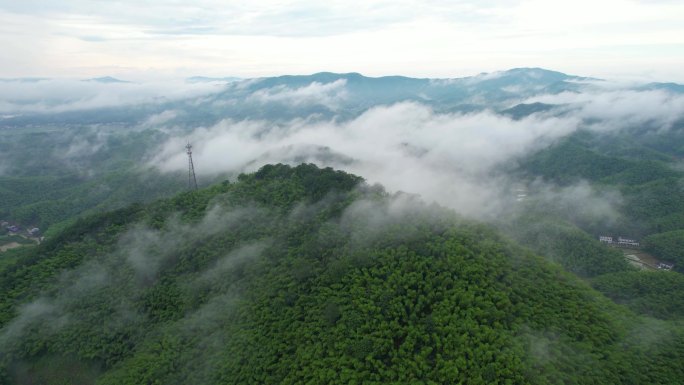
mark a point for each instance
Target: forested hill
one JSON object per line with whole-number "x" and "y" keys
{"x": 307, "y": 275}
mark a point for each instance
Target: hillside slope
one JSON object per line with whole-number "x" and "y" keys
{"x": 308, "y": 275}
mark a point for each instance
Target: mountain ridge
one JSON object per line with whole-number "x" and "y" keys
{"x": 302, "y": 274}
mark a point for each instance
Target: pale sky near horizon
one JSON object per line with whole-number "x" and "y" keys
{"x": 137, "y": 39}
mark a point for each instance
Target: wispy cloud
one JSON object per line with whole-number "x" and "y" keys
{"x": 615, "y": 108}
{"x": 59, "y": 95}
{"x": 326, "y": 94}
{"x": 456, "y": 159}
{"x": 445, "y": 157}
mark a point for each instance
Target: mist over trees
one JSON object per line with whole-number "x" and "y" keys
{"x": 307, "y": 274}
{"x": 347, "y": 229}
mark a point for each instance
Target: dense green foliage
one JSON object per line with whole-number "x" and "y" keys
{"x": 570, "y": 161}
{"x": 658, "y": 294}
{"x": 43, "y": 202}
{"x": 5, "y": 239}
{"x": 303, "y": 275}
{"x": 608, "y": 159}
{"x": 637, "y": 167}
{"x": 656, "y": 206}
{"x": 51, "y": 175}
{"x": 307, "y": 275}
{"x": 568, "y": 245}
{"x": 668, "y": 246}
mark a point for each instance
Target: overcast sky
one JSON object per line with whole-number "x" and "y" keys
{"x": 138, "y": 39}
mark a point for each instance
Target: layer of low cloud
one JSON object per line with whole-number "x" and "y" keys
{"x": 450, "y": 158}
{"x": 455, "y": 159}
{"x": 160, "y": 118}
{"x": 19, "y": 96}
{"x": 326, "y": 94}
{"x": 613, "y": 109}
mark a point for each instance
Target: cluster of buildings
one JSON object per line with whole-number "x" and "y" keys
{"x": 623, "y": 242}
{"x": 15, "y": 229}
{"x": 665, "y": 266}
{"x": 520, "y": 194}
{"x": 10, "y": 227}
{"x": 631, "y": 243}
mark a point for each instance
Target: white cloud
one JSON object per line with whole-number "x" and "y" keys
{"x": 59, "y": 95}
{"x": 160, "y": 118}
{"x": 453, "y": 158}
{"x": 327, "y": 94}
{"x": 445, "y": 157}
{"x": 615, "y": 108}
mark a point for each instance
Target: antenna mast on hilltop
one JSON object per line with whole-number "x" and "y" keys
{"x": 192, "y": 180}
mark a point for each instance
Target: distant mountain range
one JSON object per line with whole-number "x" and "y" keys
{"x": 23, "y": 80}
{"x": 106, "y": 79}
{"x": 325, "y": 95}
{"x": 205, "y": 79}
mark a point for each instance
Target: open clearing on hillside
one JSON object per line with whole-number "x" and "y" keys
{"x": 10, "y": 245}
{"x": 641, "y": 259}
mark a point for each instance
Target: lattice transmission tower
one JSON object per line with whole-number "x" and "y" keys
{"x": 192, "y": 180}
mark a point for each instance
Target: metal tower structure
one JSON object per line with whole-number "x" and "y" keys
{"x": 192, "y": 180}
